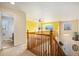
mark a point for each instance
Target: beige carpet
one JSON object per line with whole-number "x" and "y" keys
{"x": 16, "y": 51}
{"x": 7, "y": 44}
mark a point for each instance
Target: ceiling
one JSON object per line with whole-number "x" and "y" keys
{"x": 50, "y": 10}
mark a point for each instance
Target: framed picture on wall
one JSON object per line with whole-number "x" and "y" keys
{"x": 67, "y": 26}
{"x": 48, "y": 27}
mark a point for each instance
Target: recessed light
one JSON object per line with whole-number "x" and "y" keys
{"x": 12, "y": 3}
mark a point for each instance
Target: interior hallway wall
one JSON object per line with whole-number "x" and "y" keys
{"x": 66, "y": 37}
{"x": 19, "y": 23}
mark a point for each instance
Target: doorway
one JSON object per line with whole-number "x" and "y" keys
{"x": 7, "y": 31}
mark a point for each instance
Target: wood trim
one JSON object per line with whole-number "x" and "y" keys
{"x": 36, "y": 33}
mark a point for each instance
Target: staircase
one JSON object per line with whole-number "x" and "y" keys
{"x": 44, "y": 44}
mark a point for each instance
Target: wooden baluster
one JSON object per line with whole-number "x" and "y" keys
{"x": 30, "y": 41}
{"x": 46, "y": 39}
{"x": 43, "y": 45}
{"x": 36, "y": 44}
{"x": 54, "y": 47}
{"x": 51, "y": 43}
{"x": 40, "y": 46}
{"x": 48, "y": 46}
{"x": 56, "y": 50}
{"x": 33, "y": 41}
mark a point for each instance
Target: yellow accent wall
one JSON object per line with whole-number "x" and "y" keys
{"x": 31, "y": 25}
{"x": 54, "y": 24}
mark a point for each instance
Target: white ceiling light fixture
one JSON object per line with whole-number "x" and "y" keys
{"x": 12, "y": 3}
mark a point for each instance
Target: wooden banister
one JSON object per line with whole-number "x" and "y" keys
{"x": 56, "y": 49}
{"x": 43, "y": 44}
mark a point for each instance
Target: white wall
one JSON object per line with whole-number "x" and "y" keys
{"x": 19, "y": 23}
{"x": 66, "y": 38}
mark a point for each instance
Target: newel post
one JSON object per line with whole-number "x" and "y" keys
{"x": 27, "y": 39}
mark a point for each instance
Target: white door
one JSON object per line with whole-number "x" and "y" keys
{"x": 68, "y": 29}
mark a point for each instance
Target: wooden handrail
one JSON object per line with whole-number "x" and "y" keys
{"x": 60, "y": 52}
{"x": 36, "y": 33}
{"x": 55, "y": 49}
